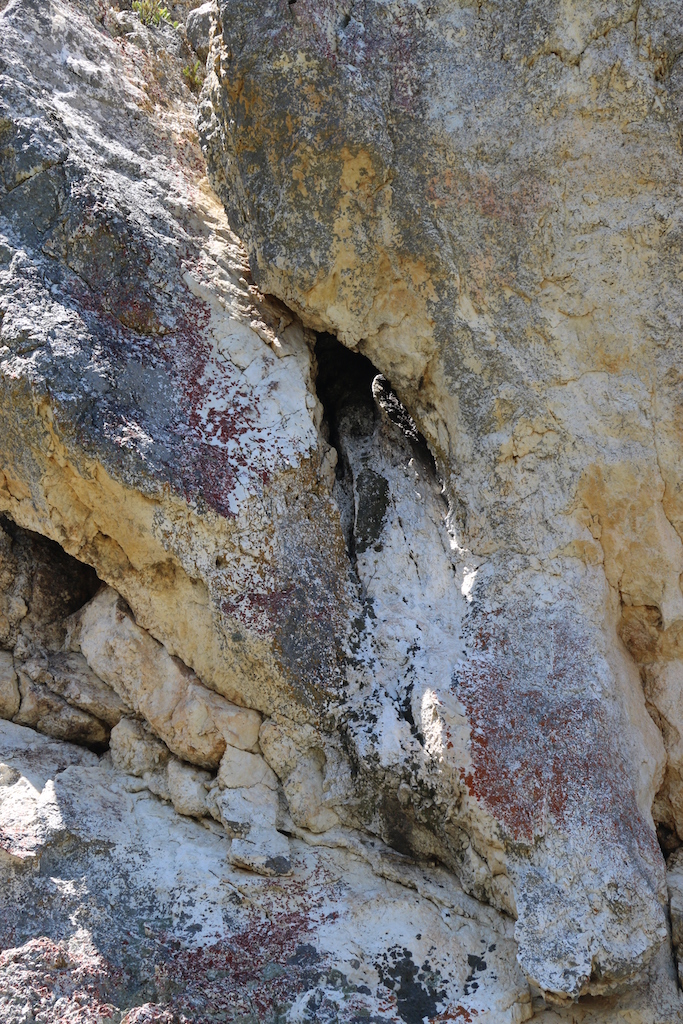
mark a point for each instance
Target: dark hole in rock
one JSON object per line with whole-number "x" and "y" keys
{"x": 56, "y": 583}
{"x": 667, "y": 838}
{"x": 355, "y": 397}
{"x": 40, "y": 587}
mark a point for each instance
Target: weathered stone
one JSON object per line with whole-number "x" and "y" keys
{"x": 201, "y": 941}
{"x": 45, "y": 711}
{"x": 198, "y": 29}
{"x": 443, "y": 670}
{"x": 30, "y": 817}
{"x": 674, "y": 879}
{"x": 296, "y": 754}
{"x": 187, "y": 788}
{"x": 452, "y": 191}
{"x": 240, "y": 810}
{"x": 134, "y": 750}
{"x": 194, "y": 722}
{"x": 9, "y": 690}
{"x": 263, "y": 850}
{"x": 239, "y": 768}
{"x": 70, "y": 676}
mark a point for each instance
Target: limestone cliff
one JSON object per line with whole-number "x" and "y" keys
{"x": 340, "y": 547}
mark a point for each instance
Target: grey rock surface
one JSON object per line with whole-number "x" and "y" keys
{"x": 198, "y": 29}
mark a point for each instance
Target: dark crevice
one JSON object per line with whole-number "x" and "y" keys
{"x": 344, "y": 384}
{"x": 355, "y": 397}
{"x": 41, "y": 586}
{"x": 69, "y": 582}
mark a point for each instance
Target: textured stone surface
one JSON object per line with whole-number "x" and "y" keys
{"x": 198, "y": 28}
{"x": 70, "y": 676}
{"x": 445, "y": 652}
{"x": 674, "y": 877}
{"x": 10, "y": 698}
{"x": 48, "y": 713}
{"x": 168, "y": 922}
{"x": 483, "y": 199}
{"x": 194, "y": 722}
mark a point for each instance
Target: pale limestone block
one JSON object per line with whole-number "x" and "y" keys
{"x": 45, "y": 711}
{"x": 296, "y": 754}
{"x": 196, "y": 723}
{"x": 70, "y": 676}
{"x": 134, "y": 750}
{"x": 239, "y": 769}
{"x": 10, "y": 698}
{"x": 187, "y": 788}
{"x": 241, "y": 810}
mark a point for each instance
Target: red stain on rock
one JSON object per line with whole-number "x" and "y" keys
{"x": 72, "y": 987}
{"x": 456, "y": 1013}
{"x": 204, "y": 415}
{"x": 259, "y": 612}
{"x": 486, "y": 197}
{"x": 543, "y": 746}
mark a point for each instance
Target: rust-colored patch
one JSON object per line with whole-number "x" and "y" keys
{"x": 456, "y": 1013}
{"x": 489, "y": 198}
{"x": 543, "y": 746}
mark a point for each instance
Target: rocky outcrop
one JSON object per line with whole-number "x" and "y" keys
{"x": 153, "y": 930}
{"x": 43, "y": 684}
{"x": 482, "y": 200}
{"x": 355, "y": 590}
{"x": 194, "y": 722}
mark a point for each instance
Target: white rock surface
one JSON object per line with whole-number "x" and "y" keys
{"x": 168, "y": 921}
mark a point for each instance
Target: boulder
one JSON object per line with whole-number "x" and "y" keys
{"x": 674, "y": 878}
{"x": 198, "y": 29}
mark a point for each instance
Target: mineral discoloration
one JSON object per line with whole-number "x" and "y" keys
{"x": 173, "y": 931}
{"x": 419, "y": 579}
{"x": 453, "y": 191}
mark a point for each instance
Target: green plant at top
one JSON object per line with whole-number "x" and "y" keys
{"x": 152, "y": 12}
{"x": 194, "y": 75}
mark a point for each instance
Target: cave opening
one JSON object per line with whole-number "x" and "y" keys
{"x": 43, "y": 684}
{"x": 355, "y": 396}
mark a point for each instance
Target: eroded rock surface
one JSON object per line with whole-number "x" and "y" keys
{"x": 168, "y": 922}
{"x": 336, "y": 626}
{"x": 484, "y": 200}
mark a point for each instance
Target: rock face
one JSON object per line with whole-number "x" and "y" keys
{"x": 360, "y": 582}
{"x": 194, "y": 722}
{"x": 483, "y": 200}
{"x": 169, "y": 923}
